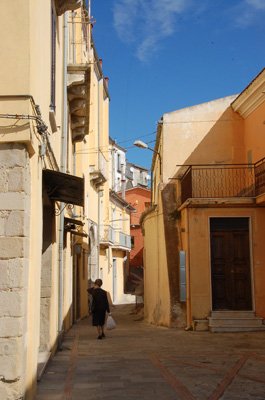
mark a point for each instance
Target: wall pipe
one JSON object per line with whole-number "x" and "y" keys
{"x": 63, "y": 169}
{"x": 99, "y": 191}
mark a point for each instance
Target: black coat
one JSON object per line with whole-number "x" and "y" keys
{"x": 100, "y": 306}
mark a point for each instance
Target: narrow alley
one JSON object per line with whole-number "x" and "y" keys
{"x": 140, "y": 361}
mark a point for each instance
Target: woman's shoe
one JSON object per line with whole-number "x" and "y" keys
{"x": 103, "y": 335}
{"x": 99, "y": 337}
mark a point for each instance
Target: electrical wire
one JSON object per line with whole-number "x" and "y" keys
{"x": 94, "y": 151}
{"x": 201, "y": 121}
{"x": 138, "y": 137}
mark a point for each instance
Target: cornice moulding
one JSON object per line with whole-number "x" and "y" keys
{"x": 251, "y": 98}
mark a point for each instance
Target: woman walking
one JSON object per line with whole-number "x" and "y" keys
{"x": 100, "y": 306}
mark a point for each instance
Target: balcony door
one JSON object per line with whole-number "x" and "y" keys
{"x": 230, "y": 264}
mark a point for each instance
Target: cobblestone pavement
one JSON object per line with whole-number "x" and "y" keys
{"x": 142, "y": 362}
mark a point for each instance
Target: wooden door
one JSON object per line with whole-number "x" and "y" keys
{"x": 230, "y": 264}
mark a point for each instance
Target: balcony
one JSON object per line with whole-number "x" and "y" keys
{"x": 124, "y": 240}
{"x": 99, "y": 174}
{"x": 112, "y": 237}
{"x": 67, "y": 5}
{"x": 240, "y": 181}
{"x": 259, "y": 169}
{"x": 106, "y": 235}
{"x": 78, "y": 78}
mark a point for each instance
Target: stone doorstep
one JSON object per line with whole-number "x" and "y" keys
{"x": 227, "y": 329}
{"x": 235, "y": 321}
{"x": 233, "y": 314}
{"x": 247, "y": 322}
{"x": 43, "y": 359}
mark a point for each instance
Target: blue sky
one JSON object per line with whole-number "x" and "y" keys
{"x": 163, "y": 55}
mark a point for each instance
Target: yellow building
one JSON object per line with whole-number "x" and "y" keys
{"x": 203, "y": 235}
{"x": 54, "y": 190}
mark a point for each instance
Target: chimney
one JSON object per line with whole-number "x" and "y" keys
{"x": 107, "y": 81}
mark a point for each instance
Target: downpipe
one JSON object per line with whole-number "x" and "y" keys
{"x": 63, "y": 169}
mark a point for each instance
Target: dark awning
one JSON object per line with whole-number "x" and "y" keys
{"x": 64, "y": 187}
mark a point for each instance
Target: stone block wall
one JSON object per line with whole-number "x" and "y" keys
{"x": 14, "y": 248}
{"x": 46, "y": 279}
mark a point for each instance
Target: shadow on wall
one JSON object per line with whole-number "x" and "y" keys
{"x": 134, "y": 283}
{"x": 222, "y": 144}
{"x": 31, "y": 391}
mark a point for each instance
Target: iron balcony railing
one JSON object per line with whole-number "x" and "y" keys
{"x": 223, "y": 181}
{"x": 78, "y": 45}
{"x": 259, "y": 169}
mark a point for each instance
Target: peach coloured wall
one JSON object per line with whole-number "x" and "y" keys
{"x": 196, "y": 241}
{"x": 157, "y": 306}
{"x": 139, "y": 198}
{"x": 255, "y": 134}
{"x": 190, "y": 131}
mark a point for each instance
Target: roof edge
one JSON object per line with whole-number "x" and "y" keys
{"x": 251, "y": 97}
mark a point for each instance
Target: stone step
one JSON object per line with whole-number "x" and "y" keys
{"x": 244, "y": 322}
{"x": 232, "y": 314}
{"x": 235, "y": 321}
{"x": 235, "y": 329}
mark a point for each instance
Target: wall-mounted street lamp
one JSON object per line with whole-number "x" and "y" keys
{"x": 143, "y": 145}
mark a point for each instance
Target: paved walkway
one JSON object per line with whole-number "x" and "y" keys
{"x": 142, "y": 362}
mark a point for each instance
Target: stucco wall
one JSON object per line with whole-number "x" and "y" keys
{"x": 112, "y": 274}
{"x": 138, "y": 198}
{"x": 157, "y": 306}
{"x": 15, "y": 47}
{"x": 118, "y": 295}
{"x": 196, "y": 240}
{"x": 255, "y": 135}
{"x": 188, "y": 132}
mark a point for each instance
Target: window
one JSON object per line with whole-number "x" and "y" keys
{"x": 119, "y": 162}
{"x": 53, "y": 57}
{"x": 142, "y": 182}
{"x": 132, "y": 242}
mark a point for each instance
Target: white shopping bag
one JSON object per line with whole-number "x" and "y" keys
{"x": 110, "y": 323}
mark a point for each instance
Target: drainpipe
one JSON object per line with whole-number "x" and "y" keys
{"x": 63, "y": 169}
{"x": 188, "y": 294}
{"x": 98, "y": 234}
{"x": 99, "y": 191}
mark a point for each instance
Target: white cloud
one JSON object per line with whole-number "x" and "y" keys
{"x": 257, "y": 4}
{"x": 144, "y": 24}
{"x": 248, "y": 12}
{"x": 147, "y": 22}
{"x": 125, "y": 15}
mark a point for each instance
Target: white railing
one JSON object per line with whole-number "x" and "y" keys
{"x": 114, "y": 237}
{"x": 125, "y": 240}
